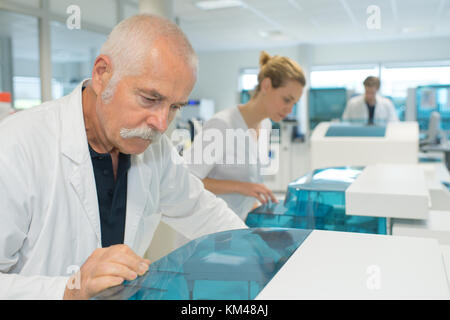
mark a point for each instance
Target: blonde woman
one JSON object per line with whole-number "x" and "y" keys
{"x": 239, "y": 181}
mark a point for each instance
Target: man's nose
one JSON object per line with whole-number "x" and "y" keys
{"x": 159, "y": 119}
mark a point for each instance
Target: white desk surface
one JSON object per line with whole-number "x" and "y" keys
{"x": 341, "y": 265}
{"x": 446, "y": 257}
{"x": 436, "y": 226}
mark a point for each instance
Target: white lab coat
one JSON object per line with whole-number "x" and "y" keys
{"x": 49, "y": 218}
{"x": 357, "y": 110}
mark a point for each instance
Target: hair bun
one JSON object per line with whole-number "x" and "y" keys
{"x": 264, "y": 58}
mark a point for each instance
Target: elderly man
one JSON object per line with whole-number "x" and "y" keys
{"x": 370, "y": 107}
{"x": 85, "y": 180}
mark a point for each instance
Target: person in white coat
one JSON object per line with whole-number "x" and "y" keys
{"x": 234, "y": 173}
{"x": 370, "y": 107}
{"x": 56, "y": 216}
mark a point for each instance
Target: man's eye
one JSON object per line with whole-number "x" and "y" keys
{"x": 175, "y": 107}
{"x": 150, "y": 99}
{"x": 146, "y": 100}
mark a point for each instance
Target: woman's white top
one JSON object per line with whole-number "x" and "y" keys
{"x": 225, "y": 149}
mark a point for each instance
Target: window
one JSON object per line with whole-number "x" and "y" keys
{"x": 349, "y": 77}
{"x": 248, "y": 79}
{"x": 73, "y": 55}
{"x": 19, "y": 48}
{"x": 396, "y": 79}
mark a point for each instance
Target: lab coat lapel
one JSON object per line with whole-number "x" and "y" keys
{"x": 83, "y": 182}
{"x": 138, "y": 194}
{"x": 74, "y": 146}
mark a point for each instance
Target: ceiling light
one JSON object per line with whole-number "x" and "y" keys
{"x": 273, "y": 34}
{"x": 416, "y": 29}
{"x": 218, "y": 4}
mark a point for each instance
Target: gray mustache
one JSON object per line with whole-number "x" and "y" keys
{"x": 143, "y": 133}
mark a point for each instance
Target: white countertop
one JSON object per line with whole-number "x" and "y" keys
{"x": 341, "y": 265}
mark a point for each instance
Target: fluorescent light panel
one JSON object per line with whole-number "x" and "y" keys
{"x": 218, "y": 4}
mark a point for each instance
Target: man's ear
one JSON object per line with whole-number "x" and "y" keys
{"x": 101, "y": 73}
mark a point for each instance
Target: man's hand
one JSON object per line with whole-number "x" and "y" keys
{"x": 105, "y": 268}
{"x": 256, "y": 190}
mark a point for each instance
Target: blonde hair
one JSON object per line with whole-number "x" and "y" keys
{"x": 279, "y": 70}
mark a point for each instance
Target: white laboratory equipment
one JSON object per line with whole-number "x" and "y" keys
{"x": 342, "y": 144}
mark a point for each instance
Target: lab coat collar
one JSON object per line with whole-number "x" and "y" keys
{"x": 74, "y": 146}
{"x": 74, "y": 139}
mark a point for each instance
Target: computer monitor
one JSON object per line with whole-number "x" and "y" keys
{"x": 326, "y": 104}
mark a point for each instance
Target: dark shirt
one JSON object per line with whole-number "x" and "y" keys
{"x": 371, "y": 112}
{"x": 112, "y": 195}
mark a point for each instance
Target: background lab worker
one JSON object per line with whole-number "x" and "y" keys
{"x": 86, "y": 179}
{"x": 280, "y": 85}
{"x": 370, "y": 107}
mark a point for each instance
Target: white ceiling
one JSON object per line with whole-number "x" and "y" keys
{"x": 297, "y": 21}
{"x": 314, "y": 22}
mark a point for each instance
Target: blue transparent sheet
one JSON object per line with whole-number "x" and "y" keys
{"x": 355, "y": 130}
{"x": 317, "y": 201}
{"x": 230, "y": 265}
{"x": 446, "y": 184}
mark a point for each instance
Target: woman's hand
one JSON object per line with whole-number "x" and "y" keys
{"x": 256, "y": 190}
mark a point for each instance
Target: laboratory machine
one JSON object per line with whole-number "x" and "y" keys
{"x": 396, "y": 199}
{"x": 351, "y": 144}
{"x": 317, "y": 201}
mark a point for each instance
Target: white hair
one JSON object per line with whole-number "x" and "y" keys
{"x": 130, "y": 41}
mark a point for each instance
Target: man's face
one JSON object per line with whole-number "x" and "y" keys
{"x": 147, "y": 101}
{"x": 370, "y": 94}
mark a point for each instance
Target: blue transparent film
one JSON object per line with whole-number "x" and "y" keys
{"x": 317, "y": 201}
{"x": 230, "y": 265}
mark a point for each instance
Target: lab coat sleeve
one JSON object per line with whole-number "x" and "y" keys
{"x": 17, "y": 287}
{"x": 188, "y": 207}
{"x": 207, "y": 148}
{"x": 392, "y": 112}
{"x": 14, "y": 223}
